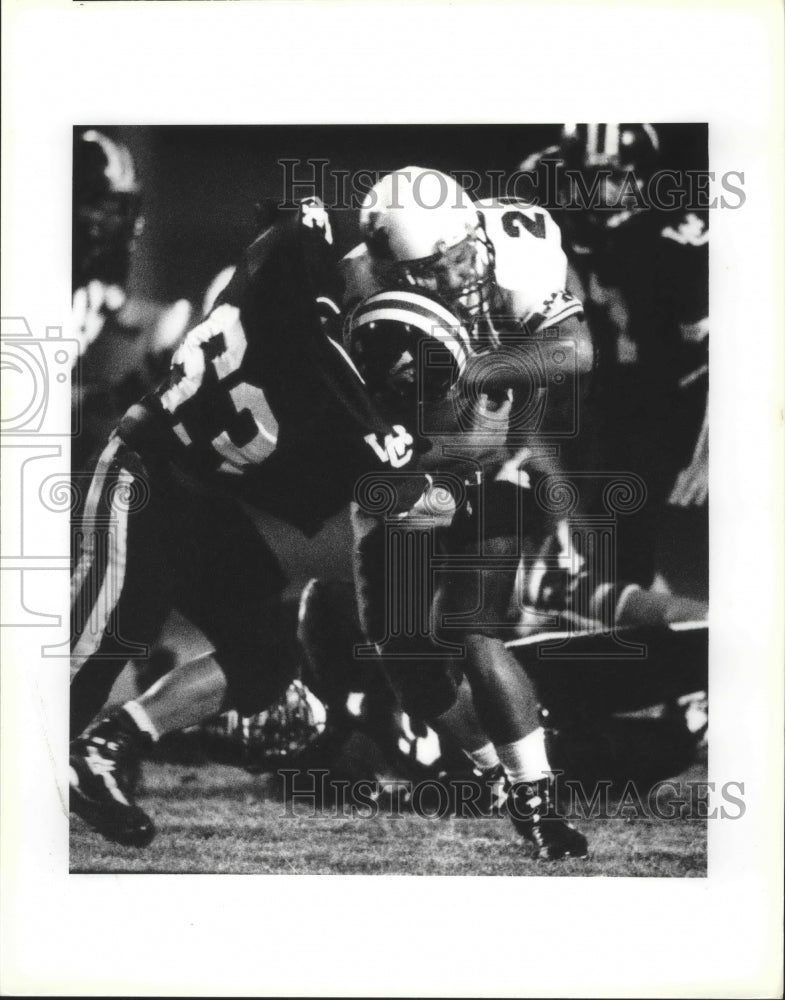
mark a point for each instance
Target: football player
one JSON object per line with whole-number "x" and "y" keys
{"x": 498, "y": 266}
{"x": 482, "y": 281}
{"x": 261, "y": 407}
{"x": 641, "y": 270}
{"x": 124, "y": 342}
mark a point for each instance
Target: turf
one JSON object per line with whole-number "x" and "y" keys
{"x": 218, "y": 819}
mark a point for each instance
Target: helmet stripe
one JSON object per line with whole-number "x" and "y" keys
{"x": 592, "y": 149}
{"x": 119, "y": 169}
{"x": 394, "y": 312}
{"x": 611, "y": 140}
{"x": 652, "y": 134}
{"x": 423, "y": 306}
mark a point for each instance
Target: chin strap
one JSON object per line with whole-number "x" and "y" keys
{"x": 484, "y": 334}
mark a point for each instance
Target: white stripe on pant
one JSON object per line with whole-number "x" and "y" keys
{"x": 108, "y": 596}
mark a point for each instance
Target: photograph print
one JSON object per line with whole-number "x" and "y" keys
{"x": 389, "y": 490}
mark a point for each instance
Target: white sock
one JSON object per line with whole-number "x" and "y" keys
{"x": 142, "y": 719}
{"x": 525, "y": 759}
{"x": 485, "y": 758}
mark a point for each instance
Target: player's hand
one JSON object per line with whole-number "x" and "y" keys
{"x": 91, "y": 305}
{"x": 491, "y": 413}
{"x": 692, "y": 483}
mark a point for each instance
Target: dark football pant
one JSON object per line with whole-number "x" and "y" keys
{"x": 421, "y": 591}
{"x": 151, "y": 541}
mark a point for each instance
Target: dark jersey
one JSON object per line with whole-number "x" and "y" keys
{"x": 648, "y": 280}
{"x": 126, "y": 346}
{"x": 260, "y": 398}
{"x": 642, "y": 272}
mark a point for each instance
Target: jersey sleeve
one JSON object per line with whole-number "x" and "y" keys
{"x": 358, "y": 277}
{"x": 530, "y": 264}
{"x": 242, "y": 371}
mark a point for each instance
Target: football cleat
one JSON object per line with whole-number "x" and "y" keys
{"x": 104, "y": 768}
{"x": 495, "y": 787}
{"x": 532, "y": 811}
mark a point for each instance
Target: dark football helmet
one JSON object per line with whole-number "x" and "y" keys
{"x": 620, "y": 147}
{"x": 106, "y": 209}
{"x": 407, "y": 346}
{"x": 614, "y": 163}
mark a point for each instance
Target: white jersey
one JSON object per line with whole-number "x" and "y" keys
{"x": 530, "y": 267}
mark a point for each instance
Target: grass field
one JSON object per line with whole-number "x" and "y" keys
{"x": 214, "y": 818}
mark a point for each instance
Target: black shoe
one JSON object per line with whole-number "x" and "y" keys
{"x": 532, "y": 811}
{"x": 104, "y": 768}
{"x": 494, "y": 788}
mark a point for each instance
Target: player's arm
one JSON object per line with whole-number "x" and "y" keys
{"x": 561, "y": 355}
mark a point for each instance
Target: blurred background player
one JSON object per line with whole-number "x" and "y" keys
{"x": 641, "y": 269}
{"x": 125, "y": 342}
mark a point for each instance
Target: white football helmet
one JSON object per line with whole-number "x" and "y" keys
{"x": 422, "y": 229}
{"x": 276, "y": 735}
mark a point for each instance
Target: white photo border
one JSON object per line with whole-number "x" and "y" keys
{"x": 252, "y": 62}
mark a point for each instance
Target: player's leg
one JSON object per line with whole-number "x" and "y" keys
{"x": 471, "y": 608}
{"x": 228, "y": 582}
{"x": 474, "y": 605}
{"x": 119, "y": 601}
{"x": 187, "y": 695}
{"x": 329, "y": 632}
{"x": 118, "y": 587}
{"x": 461, "y": 723}
{"x": 235, "y": 598}
{"x": 249, "y": 670}
{"x": 430, "y": 688}
{"x": 637, "y": 606}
